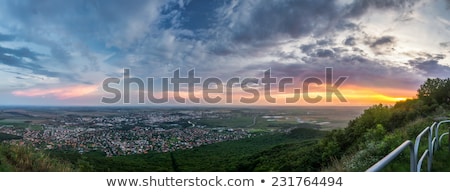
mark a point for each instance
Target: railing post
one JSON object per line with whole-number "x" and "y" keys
{"x": 417, "y": 144}
{"x": 430, "y": 147}
{"x": 412, "y": 158}
{"x": 437, "y": 129}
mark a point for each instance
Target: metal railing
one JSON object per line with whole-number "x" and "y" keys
{"x": 434, "y": 142}
{"x": 391, "y": 156}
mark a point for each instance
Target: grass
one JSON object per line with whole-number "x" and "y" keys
{"x": 4, "y": 137}
{"x": 25, "y": 159}
{"x": 441, "y": 157}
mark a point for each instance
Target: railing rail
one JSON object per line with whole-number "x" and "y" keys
{"x": 417, "y": 144}
{"x": 391, "y": 156}
{"x": 437, "y": 128}
{"x": 440, "y": 138}
{"x": 434, "y": 142}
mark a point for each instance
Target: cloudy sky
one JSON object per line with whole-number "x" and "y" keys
{"x": 59, "y": 52}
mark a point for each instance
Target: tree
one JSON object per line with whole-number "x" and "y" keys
{"x": 435, "y": 91}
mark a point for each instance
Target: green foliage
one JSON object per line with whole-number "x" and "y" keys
{"x": 441, "y": 157}
{"x": 23, "y": 158}
{"x": 377, "y": 114}
{"x": 435, "y": 92}
{"x": 302, "y": 156}
{"x": 370, "y": 123}
{"x": 375, "y": 134}
{"x": 372, "y": 150}
{"x": 84, "y": 165}
{"x": 5, "y": 137}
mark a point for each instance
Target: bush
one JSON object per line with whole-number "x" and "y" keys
{"x": 24, "y": 158}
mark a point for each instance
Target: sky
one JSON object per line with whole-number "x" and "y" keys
{"x": 60, "y": 52}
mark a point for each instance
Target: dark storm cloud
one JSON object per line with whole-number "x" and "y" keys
{"x": 359, "y": 7}
{"x": 58, "y": 51}
{"x": 19, "y": 53}
{"x": 221, "y": 50}
{"x": 339, "y": 50}
{"x": 383, "y": 41}
{"x": 425, "y": 56}
{"x": 15, "y": 58}
{"x": 439, "y": 56}
{"x": 307, "y": 48}
{"x": 323, "y": 42}
{"x": 429, "y": 64}
{"x": 365, "y": 71}
{"x": 360, "y": 70}
{"x": 350, "y": 41}
{"x": 324, "y": 53}
{"x": 23, "y": 65}
{"x": 283, "y": 55}
{"x": 346, "y": 25}
{"x": 382, "y": 45}
{"x": 312, "y": 51}
{"x": 444, "y": 44}
{"x": 432, "y": 68}
{"x": 269, "y": 20}
{"x": 4, "y": 37}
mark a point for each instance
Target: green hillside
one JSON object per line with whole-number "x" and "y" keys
{"x": 22, "y": 158}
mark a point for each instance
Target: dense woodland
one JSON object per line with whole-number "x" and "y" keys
{"x": 366, "y": 139}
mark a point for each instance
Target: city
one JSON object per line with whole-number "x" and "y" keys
{"x": 125, "y": 134}
{"x": 138, "y": 131}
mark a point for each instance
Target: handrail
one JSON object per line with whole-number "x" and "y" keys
{"x": 434, "y": 142}
{"x": 417, "y": 144}
{"x": 439, "y": 125}
{"x": 419, "y": 163}
{"x": 391, "y": 156}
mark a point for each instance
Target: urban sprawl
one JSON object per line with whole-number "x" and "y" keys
{"x": 126, "y": 133}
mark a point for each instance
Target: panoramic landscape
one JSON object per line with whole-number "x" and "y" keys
{"x": 224, "y": 86}
{"x": 160, "y": 133}
{"x": 218, "y": 138}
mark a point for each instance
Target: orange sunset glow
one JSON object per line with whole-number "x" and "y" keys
{"x": 59, "y": 93}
